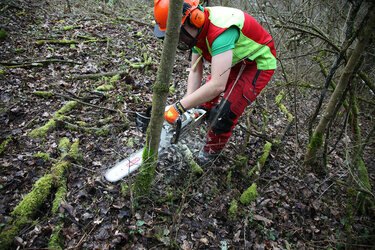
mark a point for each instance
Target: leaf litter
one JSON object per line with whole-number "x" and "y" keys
{"x": 184, "y": 211}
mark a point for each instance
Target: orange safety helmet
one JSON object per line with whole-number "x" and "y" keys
{"x": 161, "y": 8}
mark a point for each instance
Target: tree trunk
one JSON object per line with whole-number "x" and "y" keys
{"x": 161, "y": 88}
{"x": 316, "y": 140}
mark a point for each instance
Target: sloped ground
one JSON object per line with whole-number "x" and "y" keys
{"x": 294, "y": 209}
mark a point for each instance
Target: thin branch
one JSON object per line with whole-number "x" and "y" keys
{"x": 99, "y": 75}
{"x": 262, "y": 136}
{"x": 36, "y": 63}
{"x": 309, "y": 33}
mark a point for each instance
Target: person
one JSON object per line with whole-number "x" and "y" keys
{"x": 243, "y": 59}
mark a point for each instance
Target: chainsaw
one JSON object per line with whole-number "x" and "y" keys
{"x": 170, "y": 134}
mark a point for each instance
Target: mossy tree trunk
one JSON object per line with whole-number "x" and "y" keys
{"x": 316, "y": 140}
{"x": 161, "y": 88}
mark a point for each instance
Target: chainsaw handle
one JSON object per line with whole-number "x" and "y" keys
{"x": 176, "y": 135}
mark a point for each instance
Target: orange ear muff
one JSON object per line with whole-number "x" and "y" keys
{"x": 197, "y": 18}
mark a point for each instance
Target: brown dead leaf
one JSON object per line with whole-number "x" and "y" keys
{"x": 261, "y": 218}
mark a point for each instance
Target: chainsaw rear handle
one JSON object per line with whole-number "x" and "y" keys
{"x": 142, "y": 120}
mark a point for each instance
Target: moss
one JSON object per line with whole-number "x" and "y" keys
{"x": 189, "y": 159}
{"x": 285, "y": 111}
{"x": 33, "y": 200}
{"x": 349, "y": 213}
{"x": 195, "y": 168}
{"x": 58, "y": 170}
{"x": 46, "y": 157}
{"x": 130, "y": 142}
{"x": 233, "y": 209}
{"x": 255, "y": 170}
{"x": 106, "y": 120}
{"x": 7, "y": 236}
{"x": 105, "y": 87}
{"x": 68, "y": 27}
{"x": 363, "y": 175}
{"x": 171, "y": 89}
{"x": 229, "y": 179}
{"x": 315, "y": 144}
{"x": 31, "y": 203}
{"x": 59, "y": 196}
{"x": 249, "y": 195}
{"x": 74, "y": 149}
{"x": 64, "y": 145}
{"x": 81, "y": 123}
{"x": 115, "y": 79}
{"x": 321, "y": 54}
{"x": 44, "y": 94}
{"x": 4, "y": 144}
{"x": 279, "y": 97}
{"x": 51, "y": 124}
{"x": 241, "y": 162}
{"x": 365, "y": 203}
{"x": 278, "y": 100}
{"x": 56, "y": 241}
{"x": 103, "y": 132}
{"x": 266, "y": 151}
{"x": 41, "y": 131}
{"x": 128, "y": 87}
{"x": 265, "y": 119}
{"x": 3, "y": 34}
{"x": 144, "y": 179}
{"x": 124, "y": 189}
{"x": 63, "y": 41}
{"x": 65, "y": 109}
{"x": 158, "y": 89}
{"x": 170, "y": 196}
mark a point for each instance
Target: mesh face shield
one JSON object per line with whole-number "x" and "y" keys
{"x": 186, "y": 40}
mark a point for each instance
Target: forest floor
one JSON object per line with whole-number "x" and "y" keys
{"x": 294, "y": 208}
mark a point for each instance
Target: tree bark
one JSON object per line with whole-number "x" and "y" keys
{"x": 316, "y": 140}
{"x": 144, "y": 178}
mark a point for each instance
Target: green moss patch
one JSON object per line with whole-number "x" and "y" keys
{"x": 233, "y": 209}
{"x": 249, "y": 195}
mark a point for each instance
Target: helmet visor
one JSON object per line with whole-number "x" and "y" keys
{"x": 158, "y": 33}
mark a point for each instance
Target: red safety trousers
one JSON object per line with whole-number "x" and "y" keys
{"x": 235, "y": 99}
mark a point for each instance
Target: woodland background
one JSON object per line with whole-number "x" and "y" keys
{"x": 73, "y": 73}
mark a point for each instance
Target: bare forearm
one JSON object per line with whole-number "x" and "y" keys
{"x": 195, "y": 75}
{"x": 203, "y": 94}
{"x": 219, "y": 76}
{"x": 194, "y": 82}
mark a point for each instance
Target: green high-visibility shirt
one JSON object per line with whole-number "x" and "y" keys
{"x": 225, "y": 41}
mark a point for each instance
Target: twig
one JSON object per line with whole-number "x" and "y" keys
{"x": 310, "y": 33}
{"x": 264, "y": 137}
{"x": 76, "y": 165}
{"x": 356, "y": 188}
{"x": 99, "y": 75}
{"x": 36, "y": 63}
{"x": 135, "y": 20}
{"x": 68, "y": 41}
{"x": 325, "y": 155}
{"x": 93, "y": 105}
{"x": 83, "y": 238}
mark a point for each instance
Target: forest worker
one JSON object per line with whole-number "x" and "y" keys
{"x": 243, "y": 59}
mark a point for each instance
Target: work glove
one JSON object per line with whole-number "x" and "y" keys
{"x": 172, "y": 114}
